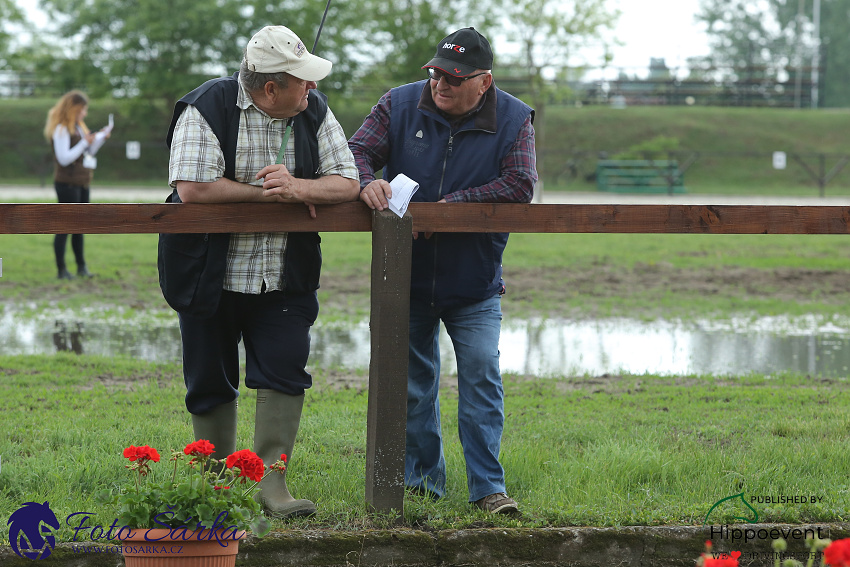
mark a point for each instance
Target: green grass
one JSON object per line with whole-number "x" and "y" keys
{"x": 577, "y": 275}
{"x": 710, "y": 187}
{"x": 680, "y": 250}
{"x": 677, "y": 276}
{"x": 736, "y": 143}
{"x": 611, "y": 451}
{"x": 125, "y": 265}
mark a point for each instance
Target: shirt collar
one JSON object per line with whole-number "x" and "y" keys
{"x": 484, "y": 115}
{"x": 243, "y": 99}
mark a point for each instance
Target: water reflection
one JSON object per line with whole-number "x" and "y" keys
{"x": 533, "y": 347}
{"x": 664, "y": 347}
{"x": 68, "y": 340}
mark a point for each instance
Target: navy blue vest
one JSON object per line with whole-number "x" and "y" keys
{"x": 452, "y": 269}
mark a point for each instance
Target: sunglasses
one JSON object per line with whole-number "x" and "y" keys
{"x": 436, "y": 75}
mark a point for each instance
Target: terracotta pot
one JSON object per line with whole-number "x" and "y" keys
{"x": 181, "y": 548}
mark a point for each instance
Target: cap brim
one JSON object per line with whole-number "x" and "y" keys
{"x": 450, "y": 67}
{"x": 314, "y": 69}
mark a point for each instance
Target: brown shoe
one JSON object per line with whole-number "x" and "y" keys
{"x": 499, "y": 503}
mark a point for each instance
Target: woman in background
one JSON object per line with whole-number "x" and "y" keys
{"x": 74, "y": 148}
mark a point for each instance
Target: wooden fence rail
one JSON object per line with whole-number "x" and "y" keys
{"x": 391, "y": 248}
{"x": 53, "y": 218}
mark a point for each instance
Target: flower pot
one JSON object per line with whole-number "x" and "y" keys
{"x": 181, "y": 548}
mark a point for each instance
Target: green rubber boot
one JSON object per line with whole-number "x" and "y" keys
{"x": 219, "y": 428}
{"x": 276, "y": 425}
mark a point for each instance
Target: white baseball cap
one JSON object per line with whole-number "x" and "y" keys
{"x": 276, "y": 49}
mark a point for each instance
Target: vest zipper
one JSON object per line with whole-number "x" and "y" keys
{"x": 445, "y": 162}
{"x": 440, "y": 195}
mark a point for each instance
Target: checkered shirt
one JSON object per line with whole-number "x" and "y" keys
{"x": 254, "y": 259}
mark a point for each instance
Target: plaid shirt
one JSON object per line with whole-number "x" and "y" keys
{"x": 254, "y": 259}
{"x": 371, "y": 147}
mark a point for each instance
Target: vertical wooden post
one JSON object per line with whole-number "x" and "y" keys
{"x": 386, "y": 417}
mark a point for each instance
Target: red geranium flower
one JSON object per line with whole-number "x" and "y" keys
{"x": 142, "y": 454}
{"x": 837, "y": 554}
{"x": 200, "y": 448}
{"x": 279, "y": 465}
{"x": 250, "y": 465}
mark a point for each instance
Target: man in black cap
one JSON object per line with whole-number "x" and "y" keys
{"x": 463, "y": 140}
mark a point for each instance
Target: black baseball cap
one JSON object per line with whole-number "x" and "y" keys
{"x": 462, "y": 53}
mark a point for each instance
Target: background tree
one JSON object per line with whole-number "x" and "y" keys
{"x": 834, "y": 56}
{"x": 748, "y": 46}
{"x": 761, "y": 43}
{"x": 157, "y": 50}
{"x": 400, "y": 37}
{"x": 343, "y": 38}
{"x": 10, "y": 15}
{"x": 547, "y": 35}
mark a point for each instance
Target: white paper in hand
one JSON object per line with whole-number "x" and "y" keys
{"x": 403, "y": 189}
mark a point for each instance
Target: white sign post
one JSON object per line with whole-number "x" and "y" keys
{"x": 134, "y": 150}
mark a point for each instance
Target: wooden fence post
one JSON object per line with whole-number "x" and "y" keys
{"x": 386, "y": 418}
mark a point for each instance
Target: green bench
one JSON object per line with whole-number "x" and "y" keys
{"x": 639, "y": 176}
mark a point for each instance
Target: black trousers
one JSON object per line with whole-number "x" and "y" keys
{"x": 70, "y": 194}
{"x": 275, "y": 328}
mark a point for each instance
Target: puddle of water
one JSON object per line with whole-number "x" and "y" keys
{"x": 675, "y": 348}
{"x": 550, "y": 347}
{"x": 90, "y": 332}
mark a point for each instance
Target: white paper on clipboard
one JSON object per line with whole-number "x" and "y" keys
{"x": 403, "y": 189}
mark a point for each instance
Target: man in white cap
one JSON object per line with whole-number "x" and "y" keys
{"x": 263, "y": 135}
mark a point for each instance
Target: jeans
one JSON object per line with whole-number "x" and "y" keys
{"x": 474, "y": 331}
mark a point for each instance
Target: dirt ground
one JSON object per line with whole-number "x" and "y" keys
{"x": 578, "y": 293}
{"x": 645, "y": 291}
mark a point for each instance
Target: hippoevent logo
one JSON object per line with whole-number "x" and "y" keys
{"x": 736, "y": 534}
{"x": 753, "y": 518}
{"x": 32, "y": 527}
{"x": 746, "y": 535}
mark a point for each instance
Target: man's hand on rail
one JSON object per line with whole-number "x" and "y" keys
{"x": 375, "y": 194}
{"x": 279, "y": 183}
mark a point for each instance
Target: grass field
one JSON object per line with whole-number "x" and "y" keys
{"x": 578, "y": 450}
{"x": 735, "y": 145}
{"x": 603, "y": 451}
{"x": 732, "y": 147}
{"x": 575, "y": 275}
